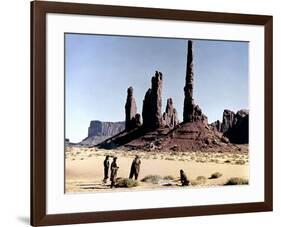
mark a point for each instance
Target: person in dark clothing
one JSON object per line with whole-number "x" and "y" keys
{"x": 135, "y": 168}
{"x": 184, "y": 180}
{"x": 113, "y": 168}
{"x": 106, "y": 168}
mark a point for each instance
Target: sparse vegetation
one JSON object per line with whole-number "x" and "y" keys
{"x": 126, "y": 183}
{"x": 169, "y": 178}
{"x": 215, "y": 175}
{"x": 154, "y": 179}
{"x": 236, "y": 181}
{"x": 201, "y": 179}
{"x": 170, "y": 159}
{"x": 240, "y": 162}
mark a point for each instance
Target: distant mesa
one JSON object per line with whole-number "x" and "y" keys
{"x": 99, "y": 131}
{"x": 157, "y": 130}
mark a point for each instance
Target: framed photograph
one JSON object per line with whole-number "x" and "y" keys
{"x": 144, "y": 113}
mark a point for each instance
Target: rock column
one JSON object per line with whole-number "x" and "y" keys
{"x": 188, "y": 89}
{"x": 191, "y": 112}
{"x": 152, "y": 103}
{"x": 130, "y": 109}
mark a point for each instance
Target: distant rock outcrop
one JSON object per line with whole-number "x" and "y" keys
{"x": 170, "y": 118}
{"x": 152, "y": 103}
{"x": 99, "y": 131}
{"x": 191, "y": 111}
{"x": 234, "y": 126}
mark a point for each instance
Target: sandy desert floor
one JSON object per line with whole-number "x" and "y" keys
{"x": 84, "y": 168}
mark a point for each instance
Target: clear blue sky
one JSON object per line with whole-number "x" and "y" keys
{"x": 99, "y": 69}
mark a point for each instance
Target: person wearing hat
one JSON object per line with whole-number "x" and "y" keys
{"x": 113, "y": 168}
{"x": 106, "y": 168}
{"x": 135, "y": 168}
{"x": 183, "y": 178}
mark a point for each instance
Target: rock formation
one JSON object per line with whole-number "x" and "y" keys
{"x": 170, "y": 118}
{"x": 239, "y": 131}
{"x": 191, "y": 112}
{"x": 130, "y": 110}
{"x": 137, "y": 120}
{"x": 227, "y": 120}
{"x": 99, "y": 131}
{"x": 216, "y": 125}
{"x": 234, "y": 126}
{"x": 152, "y": 103}
{"x": 165, "y": 133}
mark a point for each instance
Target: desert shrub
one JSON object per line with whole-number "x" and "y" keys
{"x": 126, "y": 183}
{"x": 195, "y": 182}
{"x": 154, "y": 179}
{"x": 240, "y": 162}
{"x": 215, "y": 175}
{"x": 169, "y": 177}
{"x": 201, "y": 179}
{"x": 236, "y": 181}
{"x": 227, "y": 161}
{"x": 171, "y": 159}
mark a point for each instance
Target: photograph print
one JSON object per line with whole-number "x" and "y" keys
{"x": 147, "y": 113}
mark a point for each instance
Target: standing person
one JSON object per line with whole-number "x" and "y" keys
{"x": 135, "y": 168}
{"x": 184, "y": 180}
{"x": 106, "y": 168}
{"x": 113, "y": 168}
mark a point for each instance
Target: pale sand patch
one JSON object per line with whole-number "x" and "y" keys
{"x": 85, "y": 173}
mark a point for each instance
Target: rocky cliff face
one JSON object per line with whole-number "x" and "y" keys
{"x": 234, "y": 126}
{"x": 239, "y": 131}
{"x": 100, "y": 128}
{"x": 99, "y": 131}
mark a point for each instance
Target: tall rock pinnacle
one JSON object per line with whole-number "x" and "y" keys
{"x": 191, "y": 112}
{"x": 152, "y": 103}
{"x": 130, "y": 109}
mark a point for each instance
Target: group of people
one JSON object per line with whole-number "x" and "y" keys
{"x": 134, "y": 172}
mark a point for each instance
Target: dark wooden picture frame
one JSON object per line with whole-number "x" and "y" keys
{"x": 39, "y": 10}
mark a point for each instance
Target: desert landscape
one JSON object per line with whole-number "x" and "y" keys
{"x": 84, "y": 169}
{"x": 157, "y": 148}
